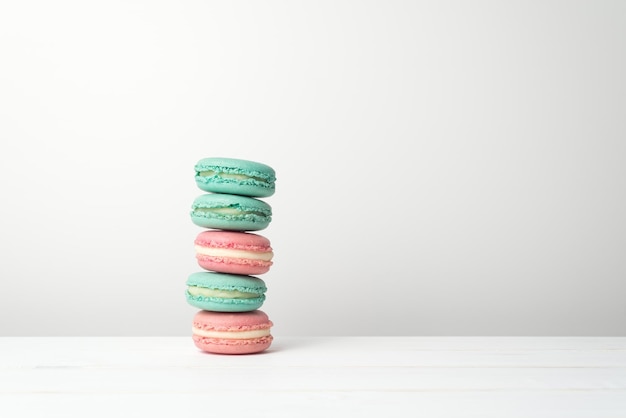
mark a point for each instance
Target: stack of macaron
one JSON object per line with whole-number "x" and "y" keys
{"x": 227, "y": 291}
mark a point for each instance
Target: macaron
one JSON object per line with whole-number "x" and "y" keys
{"x": 230, "y": 212}
{"x": 232, "y": 333}
{"x": 225, "y": 292}
{"x": 234, "y": 176}
{"x": 233, "y": 252}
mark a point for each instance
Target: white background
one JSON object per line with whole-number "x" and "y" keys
{"x": 444, "y": 168}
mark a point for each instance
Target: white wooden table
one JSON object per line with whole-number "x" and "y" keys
{"x": 316, "y": 377}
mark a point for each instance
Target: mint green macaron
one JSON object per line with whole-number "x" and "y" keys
{"x": 235, "y": 176}
{"x": 221, "y": 292}
{"x": 230, "y": 212}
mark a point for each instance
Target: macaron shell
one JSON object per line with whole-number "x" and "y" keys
{"x": 238, "y": 241}
{"x": 224, "y": 305}
{"x": 232, "y": 265}
{"x": 222, "y": 321}
{"x": 213, "y": 280}
{"x": 248, "y": 214}
{"x": 259, "y": 181}
{"x": 226, "y": 346}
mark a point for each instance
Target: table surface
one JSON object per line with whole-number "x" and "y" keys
{"x": 312, "y": 377}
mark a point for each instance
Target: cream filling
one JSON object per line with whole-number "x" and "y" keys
{"x": 232, "y": 335}
{"x": 232, "y": 176}
{"x": 220, "y": 293}
{"x": 232, "y": 253}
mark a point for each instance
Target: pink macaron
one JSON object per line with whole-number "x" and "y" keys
{"x": 232, "y": 333}
{"x": 233, "y": 252}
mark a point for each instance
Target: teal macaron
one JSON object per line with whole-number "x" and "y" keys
{"x": 235, "y": 176}
{"x": 221, "y": 292}
{"x": 230, "y": 212}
